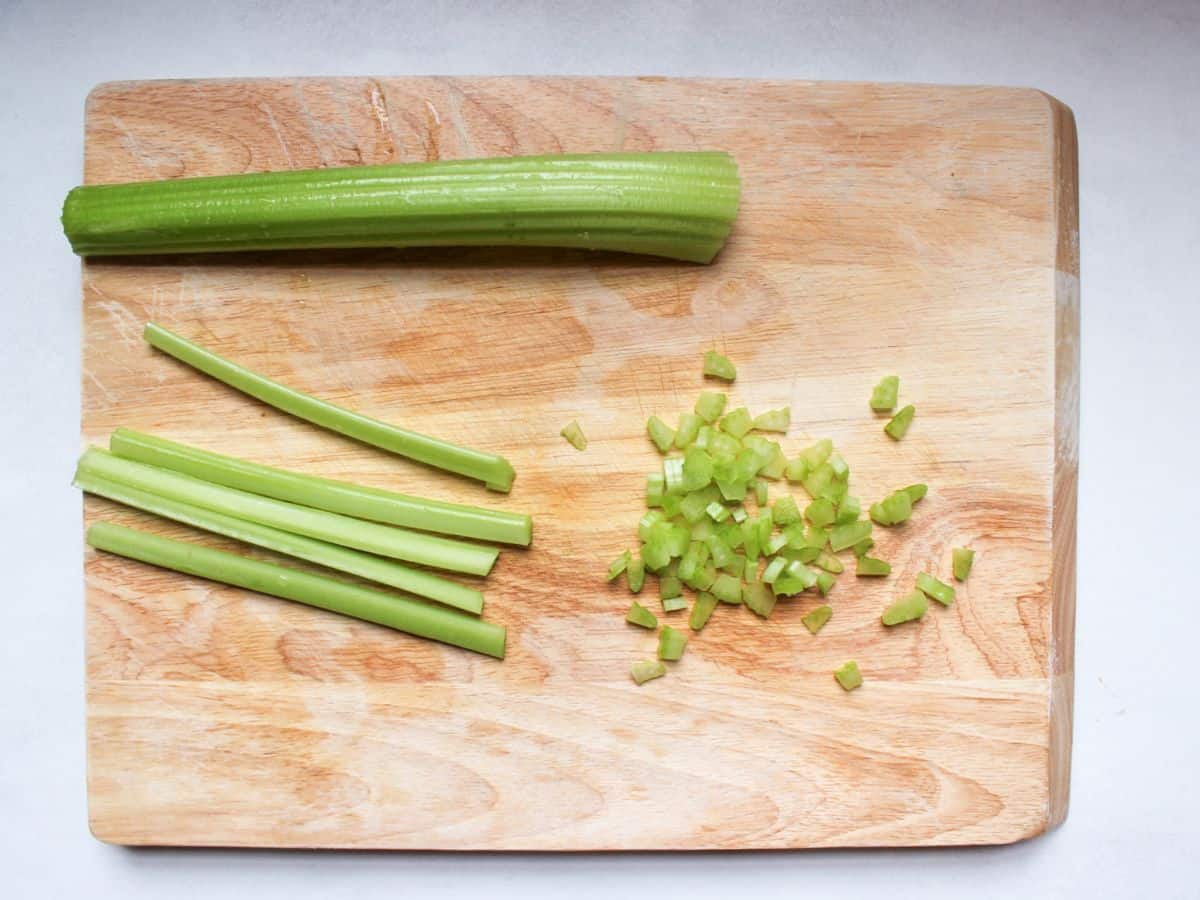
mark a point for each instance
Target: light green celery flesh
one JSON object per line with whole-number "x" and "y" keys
{"x": 494, "y": 471}
{"x": 400, "y": 613}
{"x": 343, "y": 497}
{"x": 353, "y": 562}
{"x": 671, "y": 204}
{"x": 385, "y": 540}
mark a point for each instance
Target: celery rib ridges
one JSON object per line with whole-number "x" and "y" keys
{"x": 494, "y": 471}
{"x": 674, "y": 204}
{"x": 370, "y": 537}
{"x": 353, "y": 562}
{"x": 342, "y": 497}
{"x": 411, "y": 616}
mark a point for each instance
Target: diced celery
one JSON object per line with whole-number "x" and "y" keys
{"x": 640, "y": 616}
{"x": 893, "y": 509}
{"x": 776, "y": 465}
{"x": 817, "y": 454}
{"x": 863, "y": 547}
{"x": 816, "y": 537}
{"x": 724, "y": 446}
{"x": 727, "y": 589}
{"x": 841, "y": 471}
{"x": 717, "y": 512}
{"x": 677, "y": 539}
{"x": 750, "y": 538}
{"x": 816, "y": 620}
{"x": 697, "y": 469}
{"x": 819, "y": 482}
{"x": 820, "y": 513}
{"x": 848, "y": 676}
{"x": 844, "y": 536}
{"x": 732, "y": 490}
{"x": 760, "y": 492}
{"x": 805, "y": 554}
{"x": 655, "y": 556}
{"x": 775, "y": 543}
{"x": 802, "y": 573}
{"x": 796, "y": 470}
{"x": 739, "y": 514}
{"x": 719, "y": 551}
{"x": 702, "y": 610}
{"x": 829, "y": 563}
{"x": 907, "y": 609}
{"x": 718, "y": 366}
{"x": 673, "y": 474}
{"x": 656, "y": 486}
{"x": 937, "y": 590}
{"x": 574, "y": 435}
{"x": 670, "y": 505}
{"x": 731, "y": 534}
{"x": 786, "y": 510}
{"x": 883, "y": 397}
{"x": 825, "y": 583}
{"x": 646, "y": 670}
{"x": 736, "y": 566}
{"x": 897, "y": 428}
{"x": 710, "y": 405}
{"x": 693, "y": 506}
{"x": 737, "y": 423}
{"x": 765, "y": 523}
{"x": 619, "y": 565}
{"x": 704, "y": 577}
{"x": 671, "y": 643}
{"x": 773, "y": 570}
{"x": 635, "y": 574}
{"x": 689, "y": 427}
{"x": 669, "y": 587}
{"x": 916, "y": 492}
{"x": 963, "y": 559}
{"x": 849, "y": 509}
{"x": 649, "y": 522}
{"x": 660, "y": 433}
{"x": 759, "y": 598}
{"x": 703, "y": 436}
{"x": 869, "y": 567}
{"x": 674, "y": 604}
{"x": 774, "y": 420}
{"x": 702, "y": 529}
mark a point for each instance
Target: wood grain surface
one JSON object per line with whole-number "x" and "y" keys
{"x": 926, "y": 231}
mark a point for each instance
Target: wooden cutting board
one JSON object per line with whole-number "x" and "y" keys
{"x": 926, "y": 231}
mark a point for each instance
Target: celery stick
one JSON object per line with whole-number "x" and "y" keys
{"x": 963, "y": 559}
{"x": 386, "y": 540}
{"x": 391, "y": 610}
{"x": 718, "y": 366}
{"x": 574, "y": 435}
{"x": 342, "y": 497}
{"x": 702, "y": 610}
{"x": 671, "y": 643}
{"x": 640, "y": 616}
{"x": 364, "y": 565}
{"x": 816, "y": 620}
{"x": 646, "y": 670}
{"x": 492, "y": 470}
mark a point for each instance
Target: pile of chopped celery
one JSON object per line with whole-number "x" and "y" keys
{"x": 740, "y": 521}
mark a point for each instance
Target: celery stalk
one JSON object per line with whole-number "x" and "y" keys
{"x": 492, "y": 470}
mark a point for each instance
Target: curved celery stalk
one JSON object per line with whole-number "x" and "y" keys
{"x": 364, "y": 565}
{"x": 674, "y": 204}
{"x": 494, "y": 471}
{"x": 343, "y": 497}
{"x": 400, "y": 613}
{"x": 410, "y": 546}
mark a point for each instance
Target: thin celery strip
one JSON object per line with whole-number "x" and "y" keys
{"x": 718, "y": 366}
{"x": 963, "y": 559}
{"x": 815, "y": 620}
{"x": 385, "y": 540}
{"x": 848, "y": 676}
{"x": 640, "y": 616}
{"x": 671, "y": 643}
{"x": 391, "y": 610}
{"x": 897, "y": 428}
{"x": 936, "y": 590}
{"x": 332, "y": 556}
{"x": 574, "y": 435}
{"x": 494, "y": 471}
{"x": 342, "y": 497}
{"x": 885, "y": 394}
{"x": 647, "y": 670}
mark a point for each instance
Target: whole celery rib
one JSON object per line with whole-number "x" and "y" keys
{"x": 365, "y": 565}
{"x": 343, "y": 497}
{"x": 385, "y": 540}
{"x": 494, "y": 471}
{"x": 411, "y": 616}
{"x": 678, "y": 205}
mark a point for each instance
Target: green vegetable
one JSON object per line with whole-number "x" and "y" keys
{"x": 820, "y": 513}
{"x": 796, "y": 470}
{"x": 773, "y": 570}
{"x": 492, "y": 470}
{"x": 705, "y": 578}
{"x": 825, "y": 583}
{"x": 385, "y": 540}
{"x": 787, "y": 511}
{"x": 655, "y": 556}
{"x": 908, "y": 608}
{"x": 868, "y": 566}
{"x": 689, "y": 428}
{"x": 759, "y": 598}
{"x": 849, "y": 509}
{"x": 693, "y": 507}
{"x": 863, "y": 547}
{"x": 937, "y": 590}
{"x": 669, "y": 588}
{"x": 776, "y": 465}
{"x": 738, "y": 423}
{"x": 710, "y": 405}
{"x": 837, "y": 465}
{"x": 897, "y": 428}
{"x": 760, "y": 492}
{"x": 671, "y": 643}
{"x": 727, "y": 589}
{"x": 816, "y": 620}
{"x": 411, "y": 616}
{"x": 673, "y": 477}
{"x": 342, "y": 497}
{"x": 916, "y": 492}
{"x": 775, "y": 543}
{"x": 883, "y": 397}
{"x": 817, "y": 454}
{"x": 647, "y": 670}
{"x": 660, "y": 433}
{"x": 816, "y": 537}
{"x": 674, "y": 604}
{"x": 829, "y": 563}
{"x": 964, "y": 558}
{"x": 848, "y": 676}
{"x": 717, "y": 512}
{"x": 574, "y": 435}
{"x": 774, "y": 420}
{"x": 640, "y": 616}
{"x": 364, "y": 565}
{"x": 656, "y": 487}
{"x": 718, "y": 366}
{"x": 739, "y": 514}
{"x": 619, "y": 565}
{"x": 703, "y": 435}
{"x": 724, "y": 447}
{"x": 697, "y": 469}
{"x": 749, "y": 531}
{"x": 635, "y": 574}
{"x": 702, "y": 610}
{"x": 678, "y": 205}
{"x": 849, "y": 535}
{"x": 893, "y": 509}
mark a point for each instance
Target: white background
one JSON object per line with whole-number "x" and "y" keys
{"x": 1131, "y": 72}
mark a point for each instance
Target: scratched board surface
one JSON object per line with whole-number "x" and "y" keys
{"x": 926, "y": 231}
